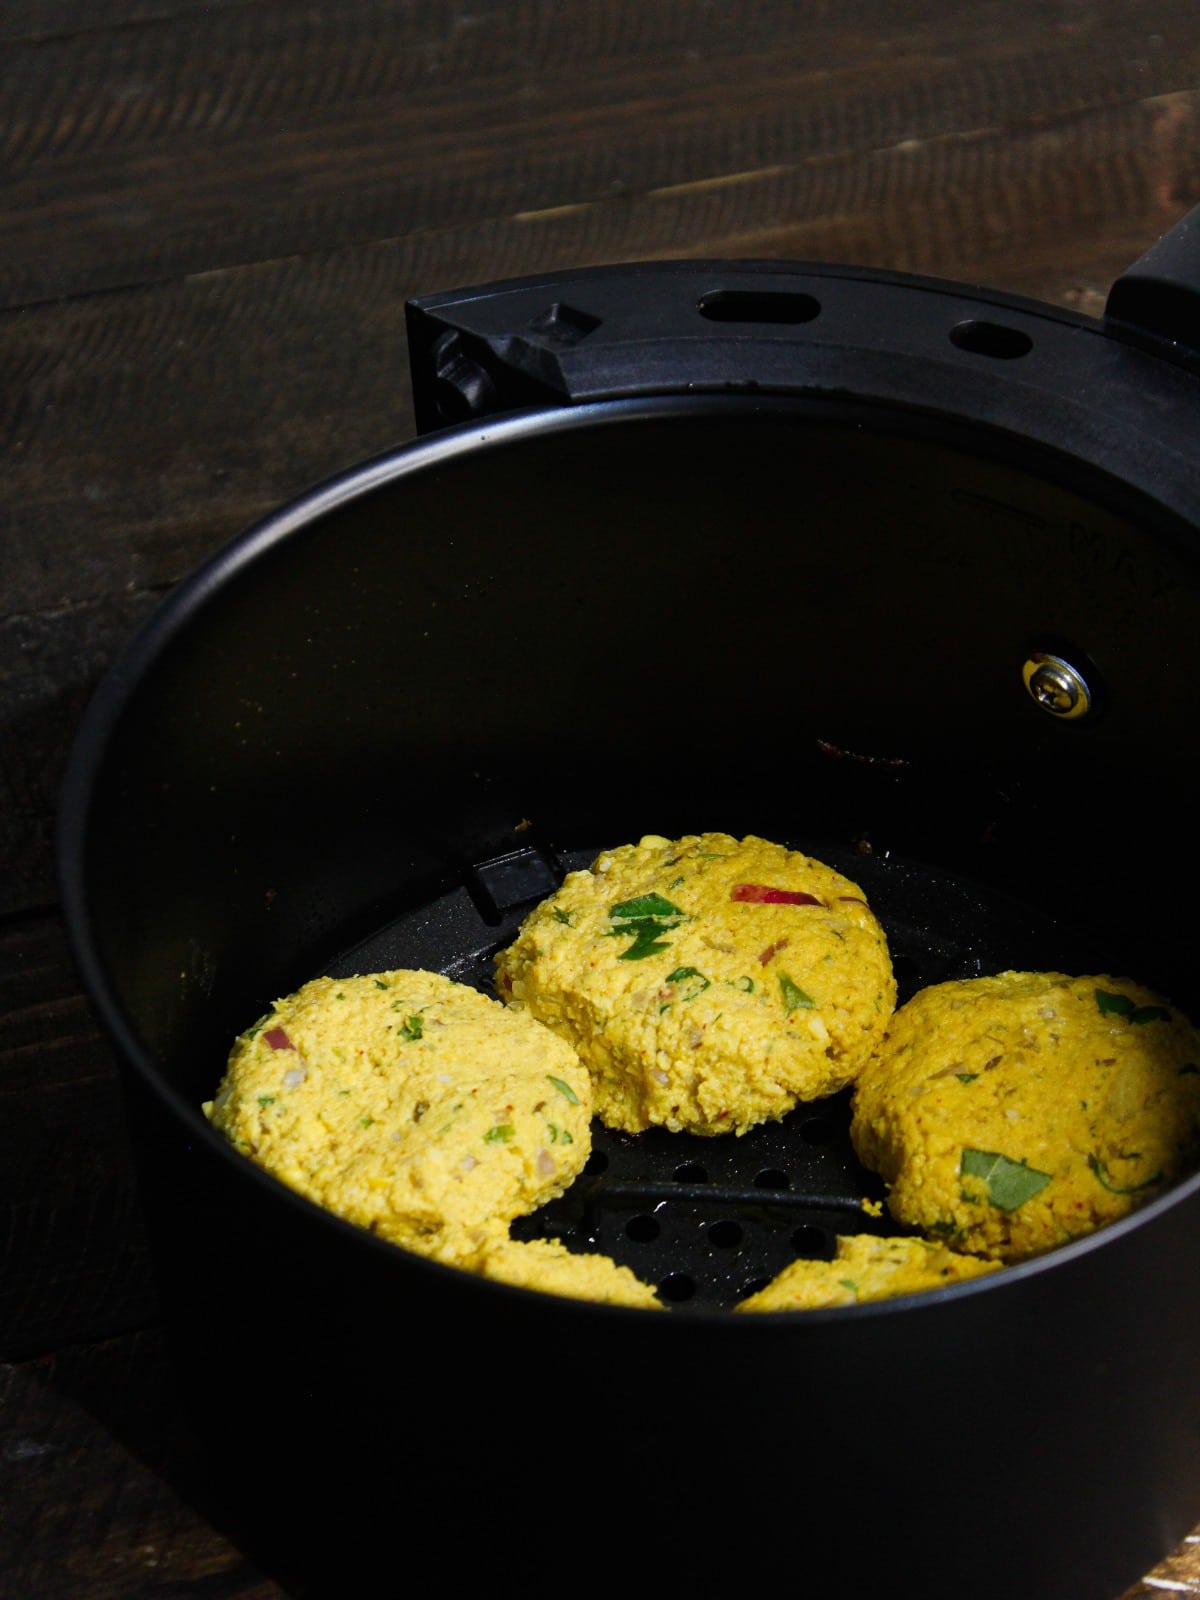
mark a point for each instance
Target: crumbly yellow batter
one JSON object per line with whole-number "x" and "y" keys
{"x": 420, "y": 1109}
{"x": 708, "y": 983}
{"x": 409, "y": 1104}
{"x": 548, "y": 1265}
{"x": 1009, "y": 1114}
{"x": 866, "y": 1268}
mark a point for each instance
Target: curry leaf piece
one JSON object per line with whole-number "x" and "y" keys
{"x": 1114, "y": 1005}
{"x": 1151, "y": 1014}
{"x": 412, "y": 1027}
{"x": 1120, "y": 1005}
{"x": 645, "y": 905}
{"x": 563, "y": 1088}
{"x": 691, "y": 981}
{"x": 1105, "y": 1178}
{"x": 1009, "y": 1183}
{"x": 794, "y": 997}
{"x": 647, "y": 940}
{"x": 646, "y": 918}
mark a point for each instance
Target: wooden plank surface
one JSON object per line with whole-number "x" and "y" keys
{"x": 138, "y": 1519}
{"x": 75, "y": 1262}
{"x": 141, "y": 154}
{"x": 214, "y": 214}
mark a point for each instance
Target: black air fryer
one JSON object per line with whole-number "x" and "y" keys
{"x": 897, "y": 572}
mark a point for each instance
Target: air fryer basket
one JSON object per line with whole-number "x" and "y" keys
{"x": 710, "y": 1220}
{"x": 893, "y": 573}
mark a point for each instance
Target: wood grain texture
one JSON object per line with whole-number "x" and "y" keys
{"x": 75, "y": 1261}
{"x": 138, "y": 155}
{"x": 105, "y": 1496}
{"x": 34, "y": 21}
{"x": 1179, "y": 1574}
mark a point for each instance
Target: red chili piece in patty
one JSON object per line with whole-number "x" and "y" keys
{"x": 763, "y": 894}
{"x": 772, "y": 950}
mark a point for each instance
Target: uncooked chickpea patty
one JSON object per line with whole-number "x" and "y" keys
{"x": 1009, "y": 1114}
{"x": 866, "y": 1268}
{"x": 409, "y": 1104}
{"x": 548, "y": 1266}
{"x": 708, "y": 983}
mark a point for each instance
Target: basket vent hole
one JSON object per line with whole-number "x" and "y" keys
{"x": 813, "y": 1243}
{"x": 991, "y": 339}
{"x": 725, "y": 1234}
{"x": 772, "y": 1178}
{"x": 778, "y": 306}
{"x": 691, "y": 1172}
{"x": 642, "y": 1229}
{"x": 677, "y": 1287}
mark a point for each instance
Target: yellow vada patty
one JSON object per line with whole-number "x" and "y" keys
{"x": 548, "y": 1266}
{"x": 1009, "y": 1114}
{"x": 708, "y": 983}
{"x": 409, "y": 1104}
{"x": 866, "y": 1267}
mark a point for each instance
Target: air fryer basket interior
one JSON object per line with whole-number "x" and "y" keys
{"x": 376, "y": 737}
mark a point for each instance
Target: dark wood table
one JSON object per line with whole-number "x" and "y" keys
{"x": 213, "y": 215}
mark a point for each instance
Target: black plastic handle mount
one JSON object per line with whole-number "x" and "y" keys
{"x": 692, "y": 326}
{"x": 1120, "y": 394}
{"x": 1159, "y": 295}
